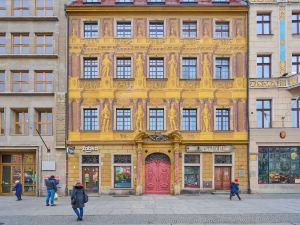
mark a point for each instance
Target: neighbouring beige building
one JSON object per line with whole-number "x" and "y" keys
{"x": 274, "y": 96}
{"x": 32, "y": 93}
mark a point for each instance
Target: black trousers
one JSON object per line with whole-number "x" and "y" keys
{"x": 235, "y": 193}
{"x": 19, "y": 196}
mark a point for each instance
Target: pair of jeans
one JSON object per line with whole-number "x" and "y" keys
{"x": 50, "y": 196}
{"x": 79, "y": 212}
{"x": 235, "y": 193}
{"x": 19, "y": 196}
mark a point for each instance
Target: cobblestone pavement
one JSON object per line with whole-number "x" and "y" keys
{"x": 278, "y": 209}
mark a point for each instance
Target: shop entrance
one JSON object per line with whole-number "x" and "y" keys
{"x": 157, "y": 174}
{"x": 90, "y": 178}
{"x": 222, "y": 177}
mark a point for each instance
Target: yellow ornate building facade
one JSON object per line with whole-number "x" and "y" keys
{"x": 157, "y": 97}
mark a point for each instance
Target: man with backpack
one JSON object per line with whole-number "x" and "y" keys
{"x": 51, "y": 189}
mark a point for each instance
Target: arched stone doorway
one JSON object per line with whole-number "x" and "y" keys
{"x": 157, "y": 174}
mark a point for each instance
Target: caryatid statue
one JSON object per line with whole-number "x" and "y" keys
{"x": 172, "y": 117}
{"x": 105, "y": 114}
{"x": 106, "y": 64}
{"x": 139, "y": 79}
{"x": 173, "y": 71}
{"x": 139, "y": 118}
{"x": 206, "y": 118}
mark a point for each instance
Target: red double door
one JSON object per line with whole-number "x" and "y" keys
{"x": 157, "y": 177}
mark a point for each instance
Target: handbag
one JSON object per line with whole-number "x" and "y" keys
{"x": 55, "y": 196}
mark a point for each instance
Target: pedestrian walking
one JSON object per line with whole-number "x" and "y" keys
{"x": 18, "y": 190}
{"x": 234, "y": 189}
{"x": 51, "y": 189}
{"x": 78, "y": 200}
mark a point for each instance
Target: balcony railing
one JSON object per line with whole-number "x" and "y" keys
{"x": 288, "y": 82}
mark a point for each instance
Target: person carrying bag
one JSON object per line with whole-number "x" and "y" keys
{"x": 78, "y": 200}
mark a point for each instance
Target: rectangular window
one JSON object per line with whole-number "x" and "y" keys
{"x": 189, "y": 29}
{"x": 124, "y": 2}
{"x": 154, "y": 2}
{"x": 44, "y": 43}
{"x": 189, "y": 68}
{"x": 156, "y": 29}
{"x": 188, "y": 2}
{"x": 222, "y": 68}
{"x": 123, "y": 119}
{"x": 263, "y": 113}
{"x": 20, "y": 81}
{"x": 44, "y": 120}
{"x": 278, "y": 165}
{"x": 222, "y": 119}
{"x": 156, "y": 119}
{"x": 91, "y": 1}
{"x": 189, "y": 119}
{"x": 296, "y": 63}
{"x": 90, "y": 29}
{"x": 2, "y": 121}
{"x": 296, "y": 113}
{"x": 21, "y": 7}
{"x": 191, "y": 171}
{"x": 123, "y": 68}
{"x": 223, "y": 159}
{"x": 263, "y": 23}
{"x": 263, "y": 66}
{"x": 2, "y": 43}
{"x": 44, "y": 7}
{"x": 20, "y": 43}
{"x": 156, "y": 68}
{"x": 21, "y": 122}
{"x": 90, "y": 119}
{"x": 124, "y": 29}
{"x": 90, "y": 68}
{"x": 222, "y": 30}
{"x": 43, "y": 81}
{"x": 2, "y": 8}
{"x": 2, "y": 81}
{"x": 122, "y": 171}
{"x": 296, "y": 23}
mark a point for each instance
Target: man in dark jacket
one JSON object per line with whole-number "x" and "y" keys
{"x": 18, "y": 189}
{"x": 234, "y": 189}
{"x": 51, "y": 189}
{"x": 78, "y": 198}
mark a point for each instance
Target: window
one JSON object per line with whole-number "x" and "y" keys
{"x": 2, "y": 43}
{"x": 156, "y": 119}
{"x": 91, "y": 1}
{"x": 296, "y": 23}
{"x": 124, "y": 2}
{"x": 278, "y": 165}
{"x": 44, "y": 43}
{"x": 191, "y": 171}
{"x": 90, "y": 159}
{"x": 44, "y": 7}
{"x": 220, "y": 1}
{"x": 222, "y": 68}
{"x": 296, "y": 63}
{"x": 189, "y": 119}
{"x": 153, "y": 2}
{"x": 222, "y": 119}
{"x": 123, "y": 119}
{"x": 123, "y": 68}
{"x": 2, "y": 121}
{"x": 21, "y": 7}
{"x": 124, "y": 29}
{"x": 222, "y": 30}
{"x": 43, "y": 81}
{"x": 296, "y": 113}
{"x": 188, "y": 1}
{"x": 20, "y": 43}
{"x": 2, "y": 81}
{"x": 263, "y": 25}
{"x": 156, "y": 29}
{"x": 44, "y": 120}
{"x": 90, "y": 29}
{"x": 156, "y": 68}
{"x": 122, "y": 171}
{"x": 90, "y": 119}
{"x": 20, "y": 81}
{"x": 189, "y": 29}
{"x": 189, "y": 68}
{"x": 2, "y": 8}
{"x": 90, "y": 68}
{"x": 263, "y": 66}
{"x": 223, "y": 159}
{"x": 21, "y": 122}
{"x": 263, "y": 113}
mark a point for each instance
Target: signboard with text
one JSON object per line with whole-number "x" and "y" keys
{"x": 208, "y": 148}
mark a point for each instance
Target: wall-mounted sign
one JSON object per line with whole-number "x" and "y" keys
{"x": 89, "y": 149}
{"x": 209, "y": 148}
{"x": 48, "y": 165}
{"x": 70, "y": 150}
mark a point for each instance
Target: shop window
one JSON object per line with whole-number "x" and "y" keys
{"x": 221, "y": 30}
{"x": 44, "y": 120}
{"x": 44, "y": 43}
{"x": 2, "y": 121}
{"x": 44, "y": 7}
{"x": 263, "y": 113}
{"x": 122, "y": 171}
{"x": 123, "y": 119}
{"x": 189, "y": 68}
{"x": 2, "y": 81}
{"x": 2, "y": 8}
{"x": 278, "y": 165}
{"x": 21, "y": 122}
{"x": 223, "y": 159}
{"x": 191, "y": 171}
{"x": 156, "y": 29}
{"x": 189, "y": 119}
{"x": 90, "y": 68}
{"x": 20, "y": 43}
{"x": 156, "y": 68}
{"x": 123, "y": 68}
{"x": 2, "y": 43}
{"x": 90, "y": 159}
{"x": 21, "y": 7}
{"x": 156, "y": 119}
{"x": 222, "y": 68}
{"x": 189, "y": 28}
{"x": 124, "y": 29}
{"x": 90, "y": 29}
{"x": 43, "y": 81}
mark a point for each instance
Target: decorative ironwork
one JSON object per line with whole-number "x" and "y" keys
{"x": 158, "y": 137}
{"x": 122, "y": 159}
{"x": 90, "y": 159}
{"x": 157, "y": 156}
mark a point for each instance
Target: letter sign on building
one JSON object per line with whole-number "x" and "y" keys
{"x": 208, "y": 148}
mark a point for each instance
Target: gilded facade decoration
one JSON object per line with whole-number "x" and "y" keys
{"x": 105, "y": 116}
{"x": 206, "y": 117}
{"x": 172, "y": 117}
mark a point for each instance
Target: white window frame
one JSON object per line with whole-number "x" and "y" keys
{"x": 148, "y": 117}
{"x": 115, "y": 118}
{"x": 192, "y": 164}
{"x": 156, "y": 20}
{"x": 121, "y": 164}
{"x": 189, "y": 20}
{"x": 116, "y": 25}
{"x": 82, "y": 117}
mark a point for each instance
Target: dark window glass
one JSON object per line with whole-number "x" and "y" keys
{"x": 90, "y": 68}
{"x": 90, "y": 29}
{"x": 263, "y": 25}
{"x": 222, "y": 30}
{"x": 90, "y": 159}
{"x": 189, "y": 119}
{"x": 159, "y": 2}
{"x": 189, "y": 68}
{"x": 123, "y": 119}
{"x": 222, "y": 119}
{"x": 192, "y": 177}
{"x": 122, "y": 159}
{"x": 263, "y": 66}
{"x": 123, "y": 68}
{"x": 296, "y": 63}
{"x": 6, "y": 158}
{"x": 156, "y": 119}
{"x": 2, "y": 43}
{"x": 90, "y": 119}
{"x": 156, "y": 29}
{"x": 296, "y": 23}
{"x": 192, "y": 159}
{"x": 223, "y": 159}
{"x": 222, "y": 68}
{"x": 2, "y": 81}
{"x": 189, "y": 29}
{"x": 156, "y": 68}
{"x": 124, "y": 29}
{"x": 296, "y": 113}
{"x": 263, "y": 113}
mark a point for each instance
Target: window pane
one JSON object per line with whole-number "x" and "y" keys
{"x": 223, "y": 159}
{"x": 122, "y": 159}
{"x": 90, "y": 119}
{"x": 90, "y": 29}
{"x": 192, "y": 177}
{"x": 192, "y": 158}
{"x": 124, "y": 29}
{"x": 122, "y": 176}
{"x": 156, "y": 29}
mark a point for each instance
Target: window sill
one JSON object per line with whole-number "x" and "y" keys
{"x": 296, "y": 35}
{"x": 21, "y": 135}
{"x": 27, "y": 93}
{"x": 197, "y": 79}
{"x": 230, "y": 79}
{"x": 123, "y": 79}
{"x": 43, "y": 135}
{"x": 221, "y": 38}
{"x": 29, "y": 18}
{"x": 124, "y": 131}
{"x": 156, "y": 79}
{"x": 89, "y": 79}
{"x": 125, "y": 38}
{"x": 267, "y": 35}
{"x": 91, "y": 38}
{"x": 90, "y": 131}
{"x": 223, "y": 131}
{"x": 190, "y": 131}
{"x": 38, "y": 56}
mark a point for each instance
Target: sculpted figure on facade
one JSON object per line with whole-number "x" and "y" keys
{"x": 206, "y": 78}
{"x": 206, "y": 118}
{"x": 106, "y": 30}
{"x": 106, "y": 64}
{"x": 172, "y": 71}
{"x": 105, "y": 114}
{"x": 139, "y": 118}
{"x": 139, "y": 78}
{"x": 172, "y": 117}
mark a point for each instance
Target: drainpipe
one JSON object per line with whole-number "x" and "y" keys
{"x": 67, "y": 108}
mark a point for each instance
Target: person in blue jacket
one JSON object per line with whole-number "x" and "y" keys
{"x": 234, "y": 189}
{"x": 18, "y": 189}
